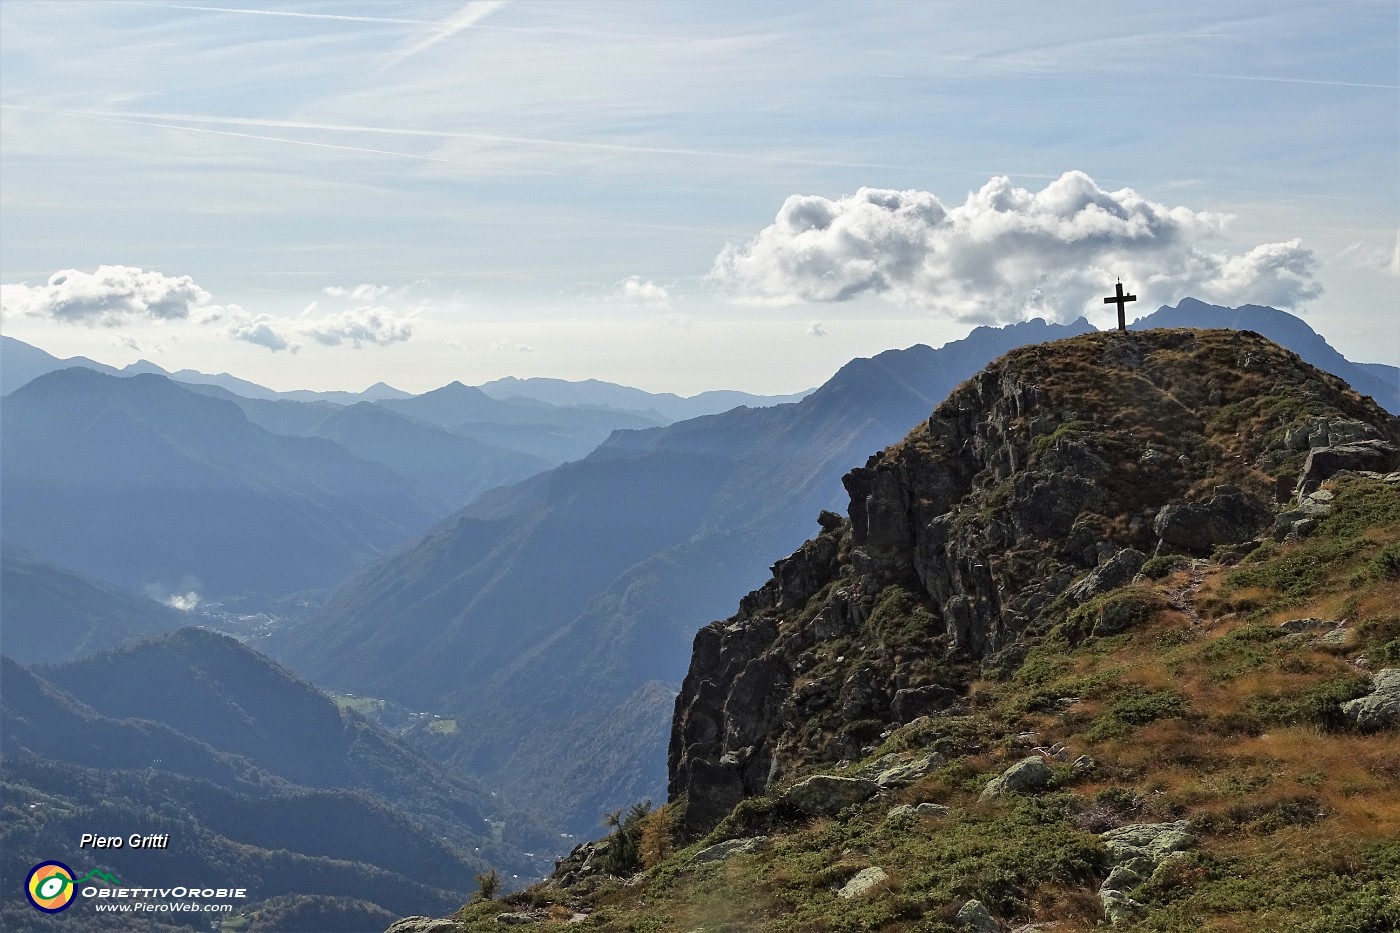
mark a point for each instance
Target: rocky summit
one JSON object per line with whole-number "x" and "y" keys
{"x": 1051, "y": 477}
{"x": 1111, "y": 638}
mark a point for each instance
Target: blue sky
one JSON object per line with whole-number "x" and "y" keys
{"x": 679, "y": 196}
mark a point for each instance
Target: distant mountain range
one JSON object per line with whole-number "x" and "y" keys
{"x": 21, "y": 363}
{"x": 554, "y": 615}
{"x": 560, "y": 611}
{"x": 141, "y": 482}
{"x": 258, "y": 778}
{"x": 668, "y": 405}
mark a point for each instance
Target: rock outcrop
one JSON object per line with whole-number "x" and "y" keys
{"x": 1045, "y": 479}
{"x": 1380, "y": 707}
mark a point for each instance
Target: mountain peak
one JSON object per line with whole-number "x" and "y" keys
{"x": 1051, "y": 471}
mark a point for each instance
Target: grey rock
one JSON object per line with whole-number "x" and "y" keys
{"x": 1230, "y": 516}
{"x": 1084, "y": 764}
{"x": 828, "y": 794}
{"x": 910, "y": 811}
{"x": 908, "y": 773}
{"x": 1337, "y": 638}
{"x": 1118, "y": 907}
{"x": 723, "y": 850}
{"x": 1122, "y": 878}
{"x": 1147, "y": 840}
{"x": 865, "y": 881}
{"x": 515, "y": 919}
{"x": 425, "y": 925}
{"x": 1325, "y": 462}
{"x": 974, "y": 916}
{"x": 912, "y": 702}
{"x": 1380, "y": 707}
{"x": 1024, "y": 777}
{"x": 1323, "y": 432}
{"x": 1117, "y": 571}
{"x": 1294, "y": 626}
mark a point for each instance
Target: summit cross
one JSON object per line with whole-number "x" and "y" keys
{"x": 1120, "y": 299}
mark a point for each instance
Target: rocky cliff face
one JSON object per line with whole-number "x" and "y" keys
{"x": 1050, "y": 477}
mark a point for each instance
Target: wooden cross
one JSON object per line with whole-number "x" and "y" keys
{"x": 1120, "y": 300}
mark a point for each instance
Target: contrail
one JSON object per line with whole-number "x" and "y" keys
{"x": 471, "y": 14}
{"x": 148, "y": 119}
{"x": 276, "y": 139}
{"x": 332, "y": 16}
{"x": 1229, "y": 77}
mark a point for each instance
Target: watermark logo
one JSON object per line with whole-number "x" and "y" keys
{"x": 50, "y": 886}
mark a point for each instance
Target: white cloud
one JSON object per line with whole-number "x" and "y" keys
{"x": 263, "y": 330}
{"x": 365, "y": 292}
{"x": 110, "y": 296}
{"x": 372, "y": 325}
{"x": 816, "y": 329}
{"x": 638, "y": 291}
{"x": 1006, "y": 253}
{"x": 1374, "y": 258}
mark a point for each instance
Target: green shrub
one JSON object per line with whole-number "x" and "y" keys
{"x": 1158, "y": 567}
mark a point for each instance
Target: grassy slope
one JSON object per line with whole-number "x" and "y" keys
{"x": 1204, "y": 711}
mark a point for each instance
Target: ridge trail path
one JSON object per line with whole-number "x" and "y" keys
{"x": 1183, "y": 598}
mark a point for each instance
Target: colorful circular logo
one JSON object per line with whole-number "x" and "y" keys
{"x": 50, "y": 886}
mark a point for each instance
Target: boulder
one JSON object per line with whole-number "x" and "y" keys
{"x": 1024, "y": 777}
{"x": 865, "y": 881}
{"x": 908, "y": 810}
{"x": 912, "y": 702}
{"x": 909, "y": 772}
{"x": 1380, "y": 707}
{"x": 1360, "y": 456}
{"x": 1294, "y": 626}
{"x": 974, "y": 916}
{"x": 1117, "y": 571}
{"x": 1230, "y": 516}
{"x": 1324, "y": 432}
{"x": 1135, "y": 852}
{"x": 828, "y": 794}
{"x": 515, "y": 919}
{"x": 723, "y": 850}
{"x": 1152, "y": 841}
{"x": 425, "y": 925}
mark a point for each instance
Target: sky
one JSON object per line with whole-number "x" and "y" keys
{"x": 678, "y": 196}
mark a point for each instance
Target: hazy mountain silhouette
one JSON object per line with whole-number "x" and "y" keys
{"x": 553, "y": 614}
{"x": 1377, "y": 380}
{"x": 48, "y": 614}
{"x": 453, "y": 468}
{"x": 668, "y": 405}
{"x": 555, "y": 433}
{"x": 20, "y": 363}
{"x": 142, "y": 482}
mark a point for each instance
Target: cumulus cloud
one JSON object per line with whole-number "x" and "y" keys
{"x": 110, "y": 296}
{"x": 263, "y": 330}
{"x": 816, "y": 329}
{"x": 638, "y": 291}
{"x": 372, "y": 325}
{"x": 1006, "y": 253}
